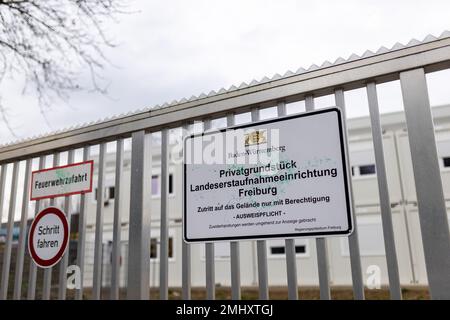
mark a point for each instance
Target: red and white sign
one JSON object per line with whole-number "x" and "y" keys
{"x": 48, "y": 237}
{"x": 66, "y": 180}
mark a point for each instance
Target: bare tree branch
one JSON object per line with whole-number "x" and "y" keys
{"x": 51, "y": 43}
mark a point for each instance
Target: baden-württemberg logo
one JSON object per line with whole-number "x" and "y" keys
{"x": 255, "y": 138}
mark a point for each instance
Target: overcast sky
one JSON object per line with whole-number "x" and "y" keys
{"x": 174, "y": 49}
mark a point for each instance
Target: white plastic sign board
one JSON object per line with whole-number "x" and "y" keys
{"x": 48, "y": 237}
{"x": 60, "y": 181}
{"x": 279, "y": 178}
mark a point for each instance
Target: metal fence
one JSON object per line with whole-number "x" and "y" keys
{"x": 407, "y": 63}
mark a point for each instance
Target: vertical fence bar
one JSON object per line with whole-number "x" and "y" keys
{"x": 235, "y": 270}
{"x": 403, "y": 206}
{"x": 46, "y": 290}
{"x": 209, "y": 251}
{"x": 321, "y": 243}
{"x": 2, "y": 190}
{"x": 186, "y": 271}
{"x": 323, "y": 267}
{"x": 185, "y": 247}
{"x": 31, "y": 292}
{"x": 117, "y": 225}
{"x": 261, "y": 246}
{"x": 9, "y": 234}
{"x": 98, "y": 244}
{"x": 355, "y": 258}
{"x": 234, "y": 249}
{"x": 164, "y": 237}
{"x": 22, "y": 233}
{"x": 139, "y": 232}
{"x": 291, "y": 269}
{"x": 65, "y": 259}
{"x": 385, "y": 202}
{"x": 430, "y": 196}
{"x": 82, "y": 234}
{"x": 291, "y": 263}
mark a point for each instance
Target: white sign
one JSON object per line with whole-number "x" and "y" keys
{"x": 62, "y": 181}
{"x": 285, "y": 177}
{"x": 48, "y": 238}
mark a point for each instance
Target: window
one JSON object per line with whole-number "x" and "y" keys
{"x": 299, "y": 249}
{"x": 111, "y": 191}
{"x": 156, "y": 185}
{"x": 170, "y": 183}
{"x": 108, "y": 194}
{"x": 363, "y": 170}
{"x": 446, "y": 162}
{"x": 170, "y": 247}
{"x": 155, "y": 249}
{"x": 277, "y": 248}
{"x": 366, "y": 169}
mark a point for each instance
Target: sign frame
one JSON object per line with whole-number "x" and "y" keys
{"x": 31, "y": 250}
{"x": 91, "y": 162}
{"x": 346, "y": 178}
